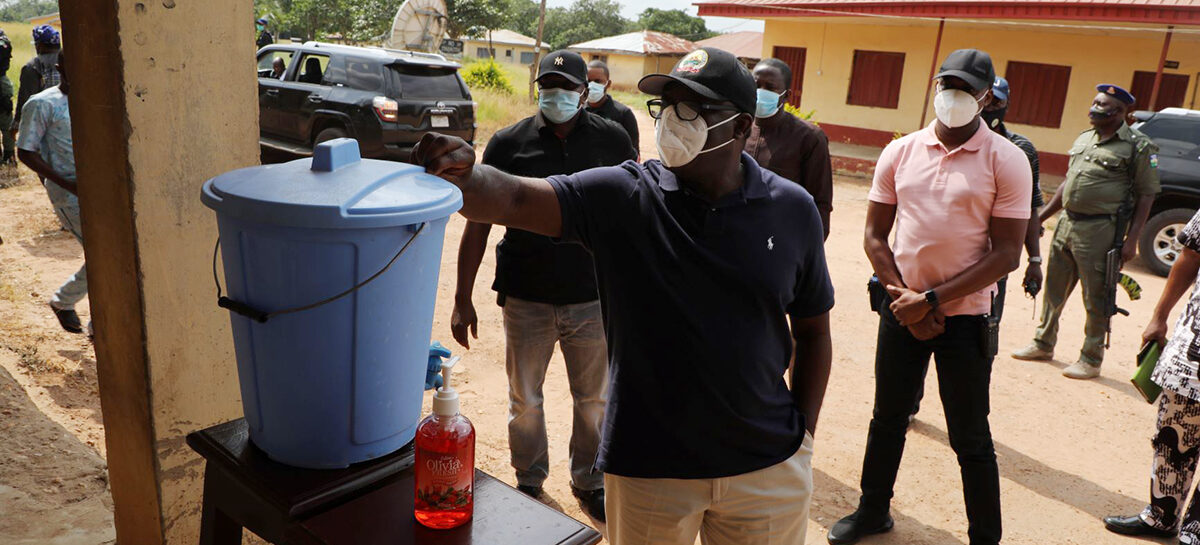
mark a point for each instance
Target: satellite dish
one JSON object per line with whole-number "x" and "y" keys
{"x": 419, "y": 26}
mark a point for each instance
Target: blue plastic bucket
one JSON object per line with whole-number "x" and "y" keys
{"x": 328, "y": 381}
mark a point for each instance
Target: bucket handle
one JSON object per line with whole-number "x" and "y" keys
{"x": 261, "y": 317}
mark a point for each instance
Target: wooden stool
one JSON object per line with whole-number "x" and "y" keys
{"x": 365, "y": 504}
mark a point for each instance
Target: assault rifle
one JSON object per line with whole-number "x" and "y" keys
{"x": 1112, "y": 270}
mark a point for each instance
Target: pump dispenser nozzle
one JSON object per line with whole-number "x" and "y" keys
{"x": 445, "y": 400}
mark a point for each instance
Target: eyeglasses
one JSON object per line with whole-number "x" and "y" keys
{"x": 685, "y": 111}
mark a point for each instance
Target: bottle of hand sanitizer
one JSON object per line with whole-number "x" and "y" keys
{"x": 445, "y": 461}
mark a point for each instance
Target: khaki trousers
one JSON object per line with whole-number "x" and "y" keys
{"x": 1077, "y": 255}
{"x": 764, "y": 507}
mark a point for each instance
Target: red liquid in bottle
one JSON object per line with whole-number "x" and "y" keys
{"x": 445, "y": 471}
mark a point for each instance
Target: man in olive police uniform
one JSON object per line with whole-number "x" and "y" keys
{"x": 1113, "y": 169}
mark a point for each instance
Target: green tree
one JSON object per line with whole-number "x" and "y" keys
{"x": 17, "y": 11}
{"x": 472, "y": 18}
{"x": 521, "y": 16}
{"x": 674, "y": 21}
{"x": 354, "y": 20}
{"x": 371, "y": 20}
{"x": 584, "y": 20}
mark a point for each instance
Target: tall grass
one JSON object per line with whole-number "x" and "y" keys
{"x": 21, "y": 36}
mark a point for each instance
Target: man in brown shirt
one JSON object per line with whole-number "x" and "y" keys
{"x": 787, "y": 145}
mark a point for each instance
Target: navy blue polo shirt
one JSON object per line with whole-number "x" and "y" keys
{"x": 696, "y": 297}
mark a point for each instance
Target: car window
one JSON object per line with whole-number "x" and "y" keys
{"x": 364, "y": 75}
{"x": 312, "y": 69}
{"x": 1166, "y": 131}
{"x": 266, "y": 63}
{"x": 426, "y": 81}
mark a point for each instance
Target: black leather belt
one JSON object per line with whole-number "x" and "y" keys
{"x": 1075, "y": 216}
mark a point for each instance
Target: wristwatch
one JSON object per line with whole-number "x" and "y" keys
{"x": 931, "y": 298}
{"x": 1035, "y": 260}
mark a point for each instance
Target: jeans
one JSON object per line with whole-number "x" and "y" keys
{"x": 768, "y": 507}
{"x": 66, "y": 207}
{"x": 532, "y": 329}
{"x": 964, "y": 376}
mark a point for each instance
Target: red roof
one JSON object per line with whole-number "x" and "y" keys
{"x": 746, "y": 44}
{"x": 1186, "y": 12}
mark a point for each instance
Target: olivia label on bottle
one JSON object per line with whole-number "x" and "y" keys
{"x": 446, "y": 481}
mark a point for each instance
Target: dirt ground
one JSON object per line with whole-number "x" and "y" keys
{"x": 53, "y": 480}
{"x": 1070, "y": 452}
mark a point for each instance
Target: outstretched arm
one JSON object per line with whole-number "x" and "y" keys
{"x": 489, "y": 195}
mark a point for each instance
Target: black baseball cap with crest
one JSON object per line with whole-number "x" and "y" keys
{"x": 712, "y": 73}
{"x": 567, "y": 64}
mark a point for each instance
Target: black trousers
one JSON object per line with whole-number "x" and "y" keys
{"x": 964, "y": 377}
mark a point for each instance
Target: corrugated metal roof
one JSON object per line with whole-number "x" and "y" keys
{"x": 1146, "y": 3}
{"x": 745, "y": 44}
{"x": 645, "y": 42}
{"x": 1178, "y": 12}
{"x": 508, "y": 37}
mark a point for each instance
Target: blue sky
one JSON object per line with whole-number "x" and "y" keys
{"x": 633, "y": 7}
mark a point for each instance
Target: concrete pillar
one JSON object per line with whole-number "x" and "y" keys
{"x": 163, "y": 97}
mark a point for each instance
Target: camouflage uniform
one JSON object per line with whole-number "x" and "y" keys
{"x": 1102, "y": 174}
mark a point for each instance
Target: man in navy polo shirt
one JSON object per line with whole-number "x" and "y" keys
{"x": 701, "y": 260}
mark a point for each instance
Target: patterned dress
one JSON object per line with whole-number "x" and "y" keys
{"x": 1177, "y": 442}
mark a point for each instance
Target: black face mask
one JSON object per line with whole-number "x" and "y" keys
{"x": 994, "y": 118}
{"x": 1099, "y": 114}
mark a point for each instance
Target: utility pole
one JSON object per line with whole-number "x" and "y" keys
{"x": 537, "y": 49}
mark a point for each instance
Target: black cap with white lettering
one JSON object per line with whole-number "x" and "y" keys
{"x": 567, "y": 64}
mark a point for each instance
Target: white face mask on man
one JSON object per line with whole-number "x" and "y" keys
{"x": 955, "y": 108}
{"x": 679, "y": 142}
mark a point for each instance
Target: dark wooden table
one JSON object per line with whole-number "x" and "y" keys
{"x": 365, "y": 504}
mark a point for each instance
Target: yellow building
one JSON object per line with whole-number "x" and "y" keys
{"x": 507, "y": 46}
{"x": 51, "y": 19}
{"x": 866, "y": 68}
{"x": 633, "y": 55}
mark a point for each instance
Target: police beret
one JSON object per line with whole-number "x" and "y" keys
{"x": 1116, "y": 92}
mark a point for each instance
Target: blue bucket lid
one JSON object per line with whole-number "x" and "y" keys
{"x": 336, "y": 189}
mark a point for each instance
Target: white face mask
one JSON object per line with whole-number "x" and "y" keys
{"x": 955, "y": 108}
{"x": 595, "y": 92}
{"x": 678, "y": 141}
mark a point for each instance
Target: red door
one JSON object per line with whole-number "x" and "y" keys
{"x": 794, "y": 57}
{"x": 1171, "y": 93}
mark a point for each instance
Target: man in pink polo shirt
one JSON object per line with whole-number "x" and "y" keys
{"x": 958, "y": 195}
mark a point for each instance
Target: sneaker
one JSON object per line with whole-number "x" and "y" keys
{"x": 1082, "y": 370}
{"x": 1033, "y": 352}
{"x": 68, "y": 319}
{"x": 534, "y": 492}
{"x": 592, "y": 502}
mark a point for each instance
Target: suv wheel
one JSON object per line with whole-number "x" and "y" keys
{"x": 1159, "y": 244}
{"x": 329, "y": 134}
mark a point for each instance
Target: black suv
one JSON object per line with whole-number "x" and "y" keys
{"x": 1177, "y": 133}
{"x": 386, "y": 99}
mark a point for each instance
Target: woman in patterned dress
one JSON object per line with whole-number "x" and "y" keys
{"x": 1177, "y": 441}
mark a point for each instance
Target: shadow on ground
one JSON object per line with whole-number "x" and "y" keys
{"x": 53, "y": 488}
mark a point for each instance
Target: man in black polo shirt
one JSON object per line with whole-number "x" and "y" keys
{"x": 701, "y": 260}
{"x": 604, "y": 105}
{"x": 548, "y": 290}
